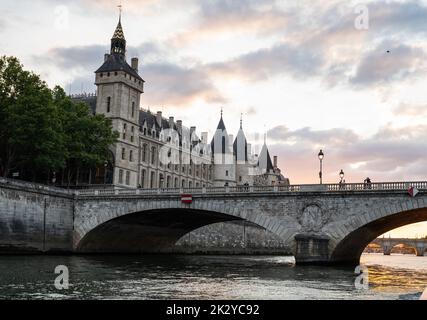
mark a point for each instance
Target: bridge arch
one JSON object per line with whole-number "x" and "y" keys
{"x": 135, "y": 228}
{"x": 350, "y": 248}
{"x": 394, "y": 246}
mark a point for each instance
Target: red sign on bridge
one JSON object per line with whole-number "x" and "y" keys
{"x": 186, "y": 198}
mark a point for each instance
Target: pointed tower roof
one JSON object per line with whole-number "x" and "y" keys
{"x": 264, "y": 160}
{"x": 221, "y": 132}
{"x": 242, "y": 143}
{"x": 221, "y": 125}
{"x": 119, "y": 34}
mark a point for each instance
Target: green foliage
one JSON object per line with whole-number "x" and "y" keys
{"x": 44, "y": 130}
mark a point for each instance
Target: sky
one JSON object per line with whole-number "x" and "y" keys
{"x": 347, "y": 77}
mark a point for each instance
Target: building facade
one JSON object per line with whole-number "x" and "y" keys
{"x": 157, "y": 152}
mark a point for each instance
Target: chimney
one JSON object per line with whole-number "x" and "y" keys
{"x": 275, "y": 161}
{"x": 134, "y": 64}
{"x": 192, "y": 129}
{"x": 204, "y": 137}
{"x": 179, "y": 125}
{"x": 159, "y": 118}
{"x": 106, "y": 56}
{"x": 171, "y": 122}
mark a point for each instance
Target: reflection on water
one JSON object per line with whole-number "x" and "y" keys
{"x": 207, "y": 277}
{"x": 396, "y": 273}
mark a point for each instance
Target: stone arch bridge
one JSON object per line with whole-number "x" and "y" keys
{"x": 320, "y": 223}
{"x": 387, "y": 244}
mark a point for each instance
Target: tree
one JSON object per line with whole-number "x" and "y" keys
{"x": 44, "y": 131}
{"x": 87, "y": 137}
{"x": 31, "y": 136}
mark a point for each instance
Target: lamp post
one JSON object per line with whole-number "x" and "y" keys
{"x": 341, "y": 176}
{"x": 321, "y": 155}
{"x": 105, "y": 172}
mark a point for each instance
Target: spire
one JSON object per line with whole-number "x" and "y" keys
{"x": 241, "y": 121}
{"x": 118, "y": 42}
{"x": 221, "y": 125}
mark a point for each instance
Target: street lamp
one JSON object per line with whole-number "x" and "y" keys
{"x": 105, "y": 172}
{"x": 342, "y": 175}
{"x": 321, "y": 155}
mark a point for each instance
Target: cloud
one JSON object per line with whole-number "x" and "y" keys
{"x": 265, "y": 63}
{"x": 2, "y": 25}
{"x": 409, "y": 110}
{"x": 381, "y": 67}
{"x": 336, "y": 136}
{"x": 174, "y": 85}
{"x": 84, "y": 57}
{"x": 390, "y": 154}
{"x": 167, "y": 83}
{"x": 261, "y": 17}
{"x": 398, "y": 17}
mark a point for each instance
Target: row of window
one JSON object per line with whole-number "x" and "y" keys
{"x": 127, "y": 182}
{"x": 159, "y": 181}
{"x": 108, "y": 74}
{"x": 130, "y": 155}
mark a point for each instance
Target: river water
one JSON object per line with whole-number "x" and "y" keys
{"x": 208, "y": 277}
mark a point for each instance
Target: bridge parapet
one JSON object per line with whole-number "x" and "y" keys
{"x": 35, "y": 187}
{"x": 348, "y": 187}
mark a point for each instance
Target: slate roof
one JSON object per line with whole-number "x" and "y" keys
{"x": 117, "y": 62}
{"x": 266, "y": 159}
